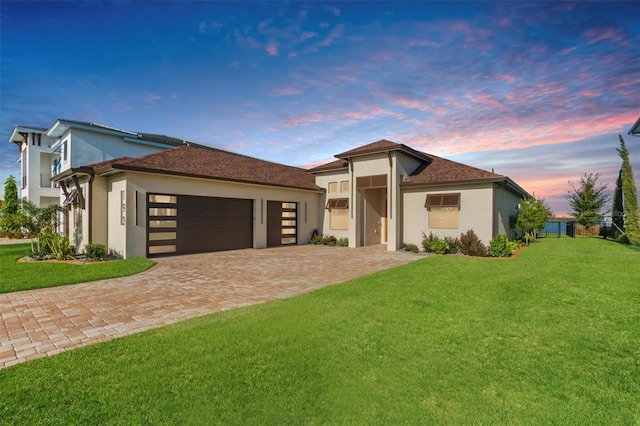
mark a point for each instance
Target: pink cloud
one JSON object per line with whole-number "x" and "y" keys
{"x": 567, "y": 51}
{"x": 286, "y": 91}
{"x": 411, "y": 104}
{"x": 304, "y": 119}
{"x": 590, "y": 92}
{"x": 335, "y": 34}
{"x": 272, "y": 49}
{"x": 595, "y": 35}
{"x": 334, "y": 10}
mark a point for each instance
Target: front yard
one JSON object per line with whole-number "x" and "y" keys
{"x": 551, "y": 337}
{"x": 15, "y": 276}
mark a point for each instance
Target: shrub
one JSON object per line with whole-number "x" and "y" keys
{"x": 410, "y": 247}
{"x": 343, "y": 242}
{"x": 94, "y": 252}
{"x": 57, "y": 246}
{"x": 437, "y": 245}
{"x": 471, "y": 245}
{"x": 325, "y": 240}
{"x": 453, "y": 245}
{"x": 499, "y": 246}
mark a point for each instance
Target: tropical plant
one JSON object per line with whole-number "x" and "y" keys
{"x": 531, "y": 216}
{"x": 587, "y": 200}
{"x": 630, "y": 197}
{"x": 39, "y": 222}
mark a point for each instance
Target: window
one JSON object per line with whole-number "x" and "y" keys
{"x": 64, "y": 151}
{"x": 443, "y": 218}
{"x": 339, "y": 213}
{"x": 443, "y": 210}
{"x": 339, "y": 219}
{"x": 344, "y": 186}
{"x": 333, "y": 187}
{"x": 170, "y": 248}
{"x": 164, "y": 199}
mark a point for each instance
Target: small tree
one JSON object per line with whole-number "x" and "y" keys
{"x": 9, "y": 222}
{"x": 617, "y": 212}
{"x": 39, "y": 222}
{"x": 587, "y": 201}
{"x": 531, "y": 217}
{"x": 630, "y": 197}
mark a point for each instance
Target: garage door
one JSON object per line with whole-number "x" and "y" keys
{"x": 282, "y": 223}
{"x": 181, "y": 224}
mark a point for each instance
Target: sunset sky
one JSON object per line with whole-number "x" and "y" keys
{"x": 537, "y": 91}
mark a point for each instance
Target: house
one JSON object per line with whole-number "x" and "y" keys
{"x": 45, "y": 152}
{"x": 188, "y": 198}
{"x": 388, "y": 193}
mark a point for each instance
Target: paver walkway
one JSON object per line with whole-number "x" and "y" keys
{"x": 38, "y": 323}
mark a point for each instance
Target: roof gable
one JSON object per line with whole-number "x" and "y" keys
{"x": 440, "y": 170}
{"x": 211, "y": 163}
{"x": 380, "y": 147}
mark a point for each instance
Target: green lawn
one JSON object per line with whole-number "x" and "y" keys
{"x": 16, "y": 276}
{"x": 552, "y": 337}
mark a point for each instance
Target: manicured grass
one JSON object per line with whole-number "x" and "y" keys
{"x": 552, "y": 337}
{"x": 15, "y": 276}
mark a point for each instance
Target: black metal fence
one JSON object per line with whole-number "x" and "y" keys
{"x": 557, "y": 229}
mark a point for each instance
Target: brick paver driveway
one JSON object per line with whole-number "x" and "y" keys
{"x": 43, "y": 322}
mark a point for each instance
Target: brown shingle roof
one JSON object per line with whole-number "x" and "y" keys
{"x": 211, "y": 163}
{"x": 333, "y": 165}
{"x": 432, "y": 171}
{"x": 382, "y": 146}
{"x": 440, "y": 170}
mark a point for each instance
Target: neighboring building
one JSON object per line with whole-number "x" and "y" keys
{"x": 45, "y": 152}
{"x": 635, "y": 129}
{"x": 36, "y": 163}
{"x": 191, "y": 198}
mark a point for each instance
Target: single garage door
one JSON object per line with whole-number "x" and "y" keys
{"x": 181, "y": 224}
{"x": 282, "y": 223}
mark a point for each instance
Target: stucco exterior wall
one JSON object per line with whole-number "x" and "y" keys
{"x": 100, "y": 207}
{"x": 506, "y": 205}
{"x": 324, "y": 215}
{"x": 119, "y": 236}
{"x": 137, "y": 185}
{"x": 36, "y": 165}
{"x": 476, "y": 212}
{"x": 87, "y": 147}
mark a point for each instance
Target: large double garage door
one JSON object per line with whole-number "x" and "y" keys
{"x": 183, "y": 224}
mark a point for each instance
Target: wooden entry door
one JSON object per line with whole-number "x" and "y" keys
{"x": 282, "y": 223}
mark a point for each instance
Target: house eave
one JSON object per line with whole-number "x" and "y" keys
{"x": 112, "y": 169}
{"x": 61, "y": 127}
{"x": 635, "y": 129}
{"x": 502, "y": 181}
{"x": 70, "y": 172}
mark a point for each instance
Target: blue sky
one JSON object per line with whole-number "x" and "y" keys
{"x": 537, "y": 91}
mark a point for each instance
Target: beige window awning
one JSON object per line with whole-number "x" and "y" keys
{"x": 337, "y": 203}
{"x": 442, "y": 200}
